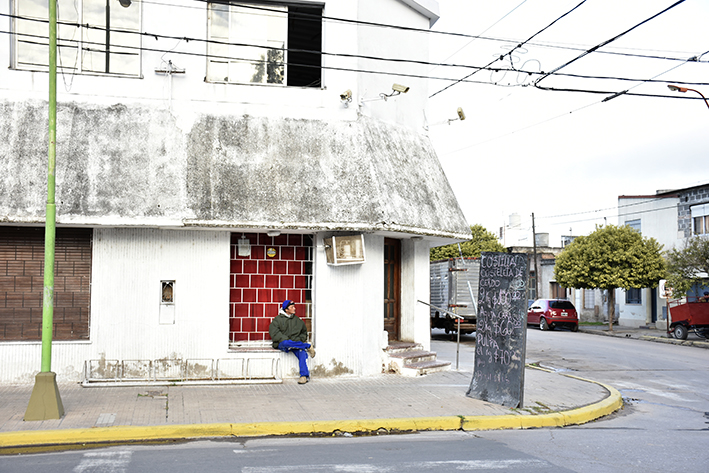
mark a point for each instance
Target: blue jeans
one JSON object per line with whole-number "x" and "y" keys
{"x": 298, "y": 349}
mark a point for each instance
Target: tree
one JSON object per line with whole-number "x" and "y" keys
{"x": 609, "y": 258}
{"x": 482, "y": 240}
{"x": 687, "y": 266}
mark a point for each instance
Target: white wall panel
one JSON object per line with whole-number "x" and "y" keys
{"x": 349, "y": 310}
{"x": 128, "y": 265}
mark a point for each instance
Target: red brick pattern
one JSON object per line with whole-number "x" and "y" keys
{"x": 279, "y": 268}
{"x": 22, "y": 283}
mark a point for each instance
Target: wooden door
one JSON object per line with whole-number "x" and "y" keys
{"x": 392, "y": 287}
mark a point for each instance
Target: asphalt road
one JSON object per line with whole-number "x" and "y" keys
{"x": 662, "y": 428}
{"x": 664, "y": 425}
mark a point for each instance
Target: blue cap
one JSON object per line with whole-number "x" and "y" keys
{"x": 287, "y": 303}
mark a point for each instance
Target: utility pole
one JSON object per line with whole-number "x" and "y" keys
{"x": 45, "y": 401}
{"x": 536, "y": 273}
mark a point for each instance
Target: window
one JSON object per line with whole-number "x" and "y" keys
{"x": 589, "y": 299}
{"x": 700, "y": 219}
{"x": 22, "y": 283}
{"x": 93, "y": 36}
{"x": 633, "y": 296}
{"x": 634, "y": 224}
{"x": 563, "y": 305}
{"x": 532, "y": 286}
{"x": 265, "y": 44}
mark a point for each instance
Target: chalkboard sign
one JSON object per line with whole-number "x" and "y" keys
{"x": 500, "y": 345}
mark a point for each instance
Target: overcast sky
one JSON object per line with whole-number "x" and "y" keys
{"x": 567, "y": 156}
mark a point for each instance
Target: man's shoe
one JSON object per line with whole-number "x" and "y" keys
{"x": 303, "y": 380}
{"x": 311, "y": 352}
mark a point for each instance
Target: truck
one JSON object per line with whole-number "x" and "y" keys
{"x": 688, "y": 314}
{"x": 454, "y": 288}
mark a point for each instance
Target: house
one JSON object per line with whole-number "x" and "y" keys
{"x": 213, "y": 160}
{"x": 591, "y": 304}
{"x": 670, "y": 217}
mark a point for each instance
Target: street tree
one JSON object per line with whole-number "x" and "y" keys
{"x": 609, "y": 258}
{"x": 482, "y": 240}
{"x": 688, "y": 266}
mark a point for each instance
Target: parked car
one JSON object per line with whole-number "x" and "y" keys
{"x": 552, "y": 313}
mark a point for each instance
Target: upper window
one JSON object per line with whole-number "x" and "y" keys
{"x": 93, "y": 36}
{"x": 700, "y": 219}
{"x": 634, "y": 224}
{"x": 265, "y": 44}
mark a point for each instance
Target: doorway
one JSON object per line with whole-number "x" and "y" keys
{"x": 392, "y": 287}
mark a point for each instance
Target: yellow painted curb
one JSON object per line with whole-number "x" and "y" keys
{"x": 580, "y": 415}
{"x": 99, "y": 435}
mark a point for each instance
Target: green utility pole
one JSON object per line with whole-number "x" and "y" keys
{"x": 45, "y": 401}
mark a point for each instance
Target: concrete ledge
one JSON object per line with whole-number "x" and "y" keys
{"x": 119, "y": 434}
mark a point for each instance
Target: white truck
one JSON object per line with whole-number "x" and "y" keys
{"x": 454, "y": 288}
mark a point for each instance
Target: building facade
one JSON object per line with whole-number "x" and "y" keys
{"x": 670, "y": 217}
{"x": 207, "y": 154}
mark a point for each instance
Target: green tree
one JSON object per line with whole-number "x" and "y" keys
{"x": 611, "y": 257}
{"x": 687, "y": 266}
{"x": 482, "y": 240}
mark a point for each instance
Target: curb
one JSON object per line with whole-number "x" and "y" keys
{"x": 125, "y": 434}
{"x": 652, "y": 338}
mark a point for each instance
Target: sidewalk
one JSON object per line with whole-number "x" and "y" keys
{"x": 330, "y": 406}
{"x": 645, "y": 333}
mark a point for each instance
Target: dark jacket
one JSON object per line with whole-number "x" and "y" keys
{"x": 287, "y": 328}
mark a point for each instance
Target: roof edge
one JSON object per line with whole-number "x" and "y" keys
{"x": 428, "y": 8}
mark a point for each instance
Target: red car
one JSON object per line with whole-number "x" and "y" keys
{"x": 552, "y": 313}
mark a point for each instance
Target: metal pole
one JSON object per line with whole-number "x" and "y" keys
{"x": 45, "y": 401}
{"x": 536, "y": 273}
{"x": 50, "y": 220}
{"x": 457, "y": 347}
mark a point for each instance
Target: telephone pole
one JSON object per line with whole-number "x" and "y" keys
{"x": 536, "y": 273}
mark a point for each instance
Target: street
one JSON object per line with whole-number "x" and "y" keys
{"x": 662, "y": 428}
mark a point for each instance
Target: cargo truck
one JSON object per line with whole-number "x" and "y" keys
{"x": 454, "y": 288}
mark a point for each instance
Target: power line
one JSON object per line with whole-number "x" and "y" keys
{"x": 509, "y": 53}
{"x": 324, "y": 53}
{"x": 486, "y": 29}
{"x": 419, "y": 30}
{"x": 608, "y": 41}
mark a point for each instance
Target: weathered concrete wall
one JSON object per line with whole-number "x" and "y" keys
{"x": 136, "y": 165}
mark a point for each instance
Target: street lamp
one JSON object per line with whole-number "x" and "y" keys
{"x": 676, "y": 88}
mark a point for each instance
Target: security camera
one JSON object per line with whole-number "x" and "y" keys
{"x": 346, "y": 96}
{"x": 402, "y": 89}
{"x": 461, "y": 115}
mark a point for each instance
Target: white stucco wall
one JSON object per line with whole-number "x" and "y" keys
{"x": 349, "y": 310}
{"x": 415, "y": 286}
{"x": 658, "y": 220}
{"x": 105, "y": 121}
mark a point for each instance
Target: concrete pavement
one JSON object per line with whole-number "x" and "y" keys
{"x": 330, "y": 406}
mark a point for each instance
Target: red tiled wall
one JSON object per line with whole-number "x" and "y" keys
{"x": 260, "y": 283}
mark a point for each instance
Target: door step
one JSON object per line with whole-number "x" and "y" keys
{"x": 410, "y": 359}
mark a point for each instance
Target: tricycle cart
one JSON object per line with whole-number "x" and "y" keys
{"x": 686, "y": 315}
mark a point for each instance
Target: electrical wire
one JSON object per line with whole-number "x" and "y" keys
{"x": 324, "y": 53}
{"x": 501, "y": 58}
{"x": 608, "y": 41}
{"x": 486, "y": 30}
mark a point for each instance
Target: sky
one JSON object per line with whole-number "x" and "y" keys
{"x": 566, "y": 156}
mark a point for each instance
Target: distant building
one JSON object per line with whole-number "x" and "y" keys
{"x": 670, "y": 217}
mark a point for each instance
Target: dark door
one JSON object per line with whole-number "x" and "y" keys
{"x": 392, "y": 287}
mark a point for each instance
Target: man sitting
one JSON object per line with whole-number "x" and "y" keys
{"x": 288, "y": 333}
